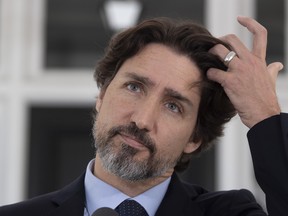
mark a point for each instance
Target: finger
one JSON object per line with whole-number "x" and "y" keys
{"x": 221, "y": 51}
{"x": 260, "y": 36}
{"x": 237, "y": 45}
{"x": 274, "y": 69}
{"x": 217, "y": 75}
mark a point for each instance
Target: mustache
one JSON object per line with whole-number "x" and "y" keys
{"x": 132, "y": 130}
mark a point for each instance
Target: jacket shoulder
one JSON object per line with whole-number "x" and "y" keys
{"x": 66, "y": 199}
{"x": 31, "y": 207}
{"x": 230, "y": 202}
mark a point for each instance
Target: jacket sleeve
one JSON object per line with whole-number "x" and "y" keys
{"x": 268, "y": 142}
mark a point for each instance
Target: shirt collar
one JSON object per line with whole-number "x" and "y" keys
{"x": 100, "y": 194}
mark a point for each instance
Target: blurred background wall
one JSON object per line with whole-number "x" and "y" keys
{"x": 48, "y": 50}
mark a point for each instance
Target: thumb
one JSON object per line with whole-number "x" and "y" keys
{"x": 274, "y": 68}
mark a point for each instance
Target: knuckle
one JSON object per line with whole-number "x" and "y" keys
{"x": 263, "y": 30}
{"x": 216, "y": 49}
{"x": 231, "y": 37}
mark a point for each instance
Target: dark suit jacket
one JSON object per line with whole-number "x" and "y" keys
{"x": 269, "y": 148}
{"x": 184, "y": 199}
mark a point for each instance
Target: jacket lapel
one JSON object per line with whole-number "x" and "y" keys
{"x": 70, "y": 200}
{"x": 179, "y": 201}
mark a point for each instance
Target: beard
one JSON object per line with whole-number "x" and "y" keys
{"x": 121, "y": 159}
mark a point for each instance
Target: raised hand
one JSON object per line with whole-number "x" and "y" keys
{"x": 249, "y": 82}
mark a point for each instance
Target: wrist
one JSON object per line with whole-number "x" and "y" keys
{"x": 260, "y": 116}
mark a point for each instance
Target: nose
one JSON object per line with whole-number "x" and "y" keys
{"x": 145, "y": 115}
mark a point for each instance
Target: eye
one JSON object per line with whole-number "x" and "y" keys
{"x": 173, "y": 107}
{"x": 134, "y": 87}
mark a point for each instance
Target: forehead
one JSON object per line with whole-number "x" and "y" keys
{"x": 163, "y": 64}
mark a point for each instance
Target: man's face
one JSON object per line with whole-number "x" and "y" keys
{"x": 147, "y": 114}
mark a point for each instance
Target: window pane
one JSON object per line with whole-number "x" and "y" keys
{"x": 60, "y": 146}
{"x": 76, "y": 35}
{"x": 274, "y": 21}
{"x": 186, "y": 9}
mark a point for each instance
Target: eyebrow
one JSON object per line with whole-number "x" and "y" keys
{"x": 176, "y": 95}
{"x": 168, "y": 91}
{"x": 141, "y": 79}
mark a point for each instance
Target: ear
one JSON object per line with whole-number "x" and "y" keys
{"x": 99, "y": 100}
{"x": 191, "y": 147}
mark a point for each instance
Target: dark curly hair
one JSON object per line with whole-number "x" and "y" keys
{"x": 186, "y": 38}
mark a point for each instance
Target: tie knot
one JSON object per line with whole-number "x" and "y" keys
{"x": 131, "y": 208}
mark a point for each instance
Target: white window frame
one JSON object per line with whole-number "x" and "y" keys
{"x": 24, "y": 82}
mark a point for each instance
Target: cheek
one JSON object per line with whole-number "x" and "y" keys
{"x": 176, "y": 136}
{"x": 113, "y": 109}
{"x": 175, "y": 139}
{"x": 181, "y": 128}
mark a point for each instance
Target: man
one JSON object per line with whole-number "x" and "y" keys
{"x": 166, "y": 89}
